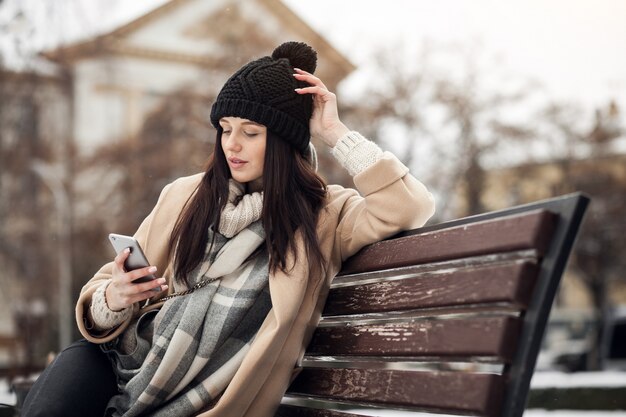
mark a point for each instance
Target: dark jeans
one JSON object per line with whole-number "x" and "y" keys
{"x": 79, "y": 382}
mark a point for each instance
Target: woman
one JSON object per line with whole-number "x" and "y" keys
{"x": 247, "y": 251}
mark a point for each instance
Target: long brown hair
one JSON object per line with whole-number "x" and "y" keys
{"x": 293, "y": 196}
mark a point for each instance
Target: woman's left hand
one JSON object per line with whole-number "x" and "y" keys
{"x": 325, "y": 124}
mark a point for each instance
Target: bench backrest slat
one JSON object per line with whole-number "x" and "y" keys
{"x": 512, "y": 233}
{"x": 293, "y": 411}
{"x": 470, "y": 393}
{"x": 459, "y": 338}
{"x": 510, "y": 283}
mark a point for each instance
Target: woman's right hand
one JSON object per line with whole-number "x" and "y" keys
{"x": 122, "y": 292}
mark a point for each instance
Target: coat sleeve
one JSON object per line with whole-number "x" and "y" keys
{"x": 156, "y": 250}
{"x": 390, "y": 200}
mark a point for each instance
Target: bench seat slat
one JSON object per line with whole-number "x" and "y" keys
{"x": 531, "y": 230}
{"x": 469, "y": 337}
{"x": 469, "y": 393}
{"x": 506, "y": 283}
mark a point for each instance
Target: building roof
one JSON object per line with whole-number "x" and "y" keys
{"x": 116, "y": 41}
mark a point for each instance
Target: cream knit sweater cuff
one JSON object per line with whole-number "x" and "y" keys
{"x": 355, "y": 153}
{"x": 102, "y": 316}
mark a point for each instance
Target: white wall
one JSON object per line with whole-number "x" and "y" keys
{"x": 103, "y": 95}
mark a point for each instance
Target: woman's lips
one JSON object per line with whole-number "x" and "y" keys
{"x": 236, "y": 163}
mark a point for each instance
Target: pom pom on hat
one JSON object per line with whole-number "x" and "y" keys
{"x": 299, "y": 54}
{"x": 264, "y": 91}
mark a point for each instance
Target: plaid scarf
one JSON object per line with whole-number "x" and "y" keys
{"x": 187, "y": 353}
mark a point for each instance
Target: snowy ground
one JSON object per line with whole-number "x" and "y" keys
{"x": 5, "y": 396}
{"x": 529, "y": 413}
{"x": 540, "y": 380}
{"x": 578, "y": 379}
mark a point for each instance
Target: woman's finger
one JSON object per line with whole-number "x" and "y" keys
{"x": 309, "y": 78}
{"x": 130, "y": 276}
{"x": 151, "y": 285}
{"x": 121, "y": 258}
{"x": 317, "y": 91}
{"x": 120, "y": 296}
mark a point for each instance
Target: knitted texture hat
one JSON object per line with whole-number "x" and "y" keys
{"x": 263, "y": 91}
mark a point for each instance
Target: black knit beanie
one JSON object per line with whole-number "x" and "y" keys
{"x": 263, "y": 91}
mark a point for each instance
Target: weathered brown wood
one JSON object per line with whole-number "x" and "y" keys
{"x": 463, "y": 392}
{"x": 292, "y": 411}
{"x": 506, "y": 283}
{"x": 411, "y": 302}
{"x": 458, "y": 338}
{"x": 531, "y": 230}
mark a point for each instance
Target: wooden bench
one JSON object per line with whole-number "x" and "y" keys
{"x": 444, "y": 319}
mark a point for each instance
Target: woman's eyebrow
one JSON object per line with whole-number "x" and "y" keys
{"x": 252, "y": 124}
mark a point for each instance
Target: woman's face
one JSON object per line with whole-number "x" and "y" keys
{"x": 243, "y": 142}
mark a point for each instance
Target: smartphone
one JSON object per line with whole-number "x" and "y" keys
{"x": 136, "y": 258}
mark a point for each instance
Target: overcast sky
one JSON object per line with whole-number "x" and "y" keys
{"x": 576, "y": 48}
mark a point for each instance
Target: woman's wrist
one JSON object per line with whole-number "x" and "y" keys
{"x": 102, "y": 315}
{"x": 334, "y": 134}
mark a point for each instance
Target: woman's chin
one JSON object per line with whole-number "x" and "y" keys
{"x": 241, "y": 177}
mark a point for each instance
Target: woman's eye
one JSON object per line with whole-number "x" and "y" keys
{"x": 226, "y": 132}
{"x": 251, "y": 134}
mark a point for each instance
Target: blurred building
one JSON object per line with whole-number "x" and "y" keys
{"x": 34, "y": 109}
{"x": 120, "y": 77}
{"x": 95, "y": 109}
{"x": 602, "y": 176}
{"x": 593, "y": 289}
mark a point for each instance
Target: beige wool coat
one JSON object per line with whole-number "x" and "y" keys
{"x": 389, "y": 200}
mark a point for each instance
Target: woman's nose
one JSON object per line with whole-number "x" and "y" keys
{"x": 232, "y": 142}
